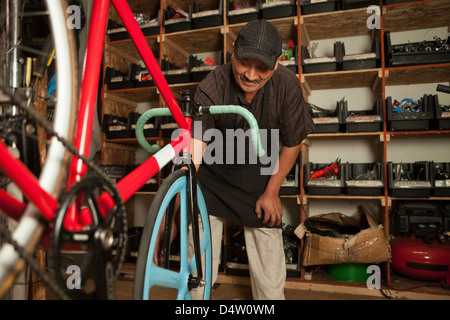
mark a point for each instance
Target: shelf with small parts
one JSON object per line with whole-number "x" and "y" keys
{"x": 400, "y": 17}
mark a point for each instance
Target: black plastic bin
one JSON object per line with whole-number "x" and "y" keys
{"x": 168, "y": 126}
{"x": 116, "y": 127}
{"x": 277, "y": 9}
{"x": 354, "y": 4}
{"x": 323, "y": 186}
{"x": 118, "y": 32}
{"x": 116, "y": 172}
{"x": 327, "y": 122}
{"x": 398, "y": 1}
{"x": 200, "y": 69}
{"x": 207, "y": 17}
{"x": 311, "y": 7}
{"x": 362, "y": 61}
{"x": 151, "y": 127}
{"x": 175, "y": 74}
{"x": 290, "y": 185}
{"x": 292, "y": 64}
{"x": 117, "y": 80}
{"x": 363, "y": 120}
{"x": 409, "y": 180}
{"x": 144, "y": 84}
{"x": 177, "y": 24}
{"x": 322, "y": 64}
{"x": 413, "y": 54}
{"x": 364, "y": 179}
{"x": 407, "y": 121}
{"x": 237, "y": 14}
{"x": 441, "y": 178}
{"x": 442, "y": 116}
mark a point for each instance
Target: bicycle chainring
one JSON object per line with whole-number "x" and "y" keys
{"x": 98, "y": 248}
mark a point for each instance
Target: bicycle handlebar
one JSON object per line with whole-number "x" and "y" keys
{"x": 213, "y": 110}
{"x": 256, "y": 139}
{"x": 140, "y": 127}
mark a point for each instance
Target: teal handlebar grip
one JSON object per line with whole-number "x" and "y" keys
{"x": 156, "y": 112}
{"x": 213, "y": 110}
{"x": 256, "y": 139}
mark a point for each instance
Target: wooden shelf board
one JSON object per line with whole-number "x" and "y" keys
{"x": 416, "y": 15}
{"x": 343, "y": 197}
{"x": 126, "y": 48}
{"x": 418, "y": 74}
{"x": 147, "y": 94}
{"x": 198, "y": 40}
{"x": 428, "y": 132}
{"x": 341, "y": 79}
{"x": 428, "y": 199}
{"x": 132, "y": 141}
{"x": 136, "y": 95}
{"x": 306, "y": 197}
{"x": 337, "y": 24}
{"x": 287, "y": 27}
{"x": 344, "y": 134}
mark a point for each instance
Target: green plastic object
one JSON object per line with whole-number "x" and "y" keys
{"x": 348, "y": 272}
{"x": 250, "y": 119}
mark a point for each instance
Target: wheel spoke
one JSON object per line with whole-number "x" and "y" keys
{"x": 164, "y": 278}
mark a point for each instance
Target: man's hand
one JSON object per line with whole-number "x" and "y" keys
{"x": 270, "y": 203}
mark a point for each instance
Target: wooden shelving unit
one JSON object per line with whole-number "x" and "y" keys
{"x": 303, "y": 29}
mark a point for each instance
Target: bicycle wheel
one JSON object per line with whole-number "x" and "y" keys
{"x": 30, "y": 228}
{"x": 148, "y": 274}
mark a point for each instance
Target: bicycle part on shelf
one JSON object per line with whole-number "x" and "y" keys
{"x": 443, "y": 88}
{"x": 98, "y": 240}
{"x": 424, "y": 46}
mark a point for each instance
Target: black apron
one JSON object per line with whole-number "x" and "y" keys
{"x": 231, "y": 190}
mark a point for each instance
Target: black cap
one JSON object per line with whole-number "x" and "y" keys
{"x": 259, "y": 39}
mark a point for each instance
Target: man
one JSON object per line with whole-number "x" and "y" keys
{"x": 240, "y": 192}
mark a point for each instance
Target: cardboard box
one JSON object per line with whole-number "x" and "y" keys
{"x": 367, "y": 246}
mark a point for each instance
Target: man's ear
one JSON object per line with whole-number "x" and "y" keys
{"x": 276, "y": 63}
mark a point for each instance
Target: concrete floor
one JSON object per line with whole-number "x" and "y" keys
{"x": 229, "y": 291}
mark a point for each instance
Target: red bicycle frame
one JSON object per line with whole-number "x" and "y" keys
{"x": 27, "y": 182}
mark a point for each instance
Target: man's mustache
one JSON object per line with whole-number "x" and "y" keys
{"x": 243, "y": 77}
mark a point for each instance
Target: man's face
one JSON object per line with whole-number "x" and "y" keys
{"x": 251, "y": 74}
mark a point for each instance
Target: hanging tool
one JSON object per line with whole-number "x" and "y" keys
{"x": 328, "y": 171}
{"x": 44, "y": 60}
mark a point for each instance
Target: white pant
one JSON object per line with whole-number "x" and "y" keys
{"x": 265, "y": 256}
